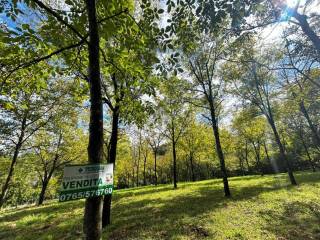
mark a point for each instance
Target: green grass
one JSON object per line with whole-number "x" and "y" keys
{"x": 260, "y": 208}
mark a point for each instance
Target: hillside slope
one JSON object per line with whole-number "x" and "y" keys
{"x": 260, "y": 208}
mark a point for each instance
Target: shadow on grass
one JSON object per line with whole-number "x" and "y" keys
{"x": 151, "y": 214}
{"x": 55, "y": 221}
{"x": 298, "y": 220}
{"x": 131, "y": 220}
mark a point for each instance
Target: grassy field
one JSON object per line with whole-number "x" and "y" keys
{"x": 260, "y": 208}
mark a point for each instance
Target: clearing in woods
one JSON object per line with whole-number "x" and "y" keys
{"x": 260, "y": 208}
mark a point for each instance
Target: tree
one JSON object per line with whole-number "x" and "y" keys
{"x": 175, "y": 115}
{"x": 257, "y": 86}
{"x": 203, "y": 66}
{"x": 25, "y": 112}
{"x": 253, "y": 129}
{"x": 154, "y": 138}
{"x": 58, "y": 144}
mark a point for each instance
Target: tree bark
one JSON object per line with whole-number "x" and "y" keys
{"x": 307, "y": 151}
{"x": 175, "y": 180}
{"x": 106, "y": 213}
{"x": 215, "y": 129}
{"x": 138, "y": 164}
{"x": 310, "y": 123}
{"x": 257, "y": 152}
{"x": 266, "y": 151}
{"x": 302, "y": 19}
{"x": 144, "y": 171}
{"x": 192, "y": 168}
{"x": 43, "y": 191}
{"x": 155, "y": 167}
{"x": 246, "y": 156}
{"x": 18, "y": 146}
{"x": 93, "y": 206}
{"x": 282, "y": 151}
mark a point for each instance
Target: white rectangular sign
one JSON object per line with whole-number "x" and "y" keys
{"x": 83, "y": 181}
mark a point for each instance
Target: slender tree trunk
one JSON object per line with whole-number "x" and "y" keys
{"x": 18, "y": 146}
{"x": 192, "y": 168}
{"x": 307, "y": 151}
{"x": 309, "y": 157}
{"x": 282, "y": 151}
{"x": 246, "y": 156}
{"x": 155, "y": 167}
{"x": 174, "y": 164}
{"x": 133, "y": 176}
{"x": 241, "y": 164}
{"x": 93, "y": 206}
{"x": 144, "y": 171}
{"x": 42, "y": 194}
{"x": 266, "y": 151}
{"x": 215, "y": 129}
{"x": 257, "y": 152}
{"x": 106, "y": 213}
{"x": 5, "y": 186}
{"x": 310, "y": 123}
{"x": 302, "y": 19}
{"x": 138, "y": 165}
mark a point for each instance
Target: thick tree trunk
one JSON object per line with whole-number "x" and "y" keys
{"x": 282, "y": 151}
{"x": 302, "y": 19}
{"x": 93, "y": 206}
{"x": 215, "y": 129}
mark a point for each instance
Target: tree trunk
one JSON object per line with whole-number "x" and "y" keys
{"x": 144, "y": 171}
{"x": 215, "y": 129}
{"x": 138, "y": 164}
{"x": 5, "y": 186}
{"x": 42, "y": 194}
{"x": 93, "y": 206}
{"x": 257, "y": 152}
{"x": 18, "y": 146}
{"x": 266, "y": 151}
{"x": 307, "y": 151}
{"x": 302, "y": 19}
{"x": 246, "y": 156}
{"x": 174, "y": 164}
{"x": 192, "y": 168}
{"x": 309, "y": 157}
{"x": 310, "y": 123}
{"x": 241, "y": 164}
{"x": 106, "y": 212}
{"x": 282, "y": 151}
{"x": 155, "y": 167}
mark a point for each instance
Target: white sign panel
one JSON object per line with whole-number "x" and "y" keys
{"x": 83, "y": 181}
